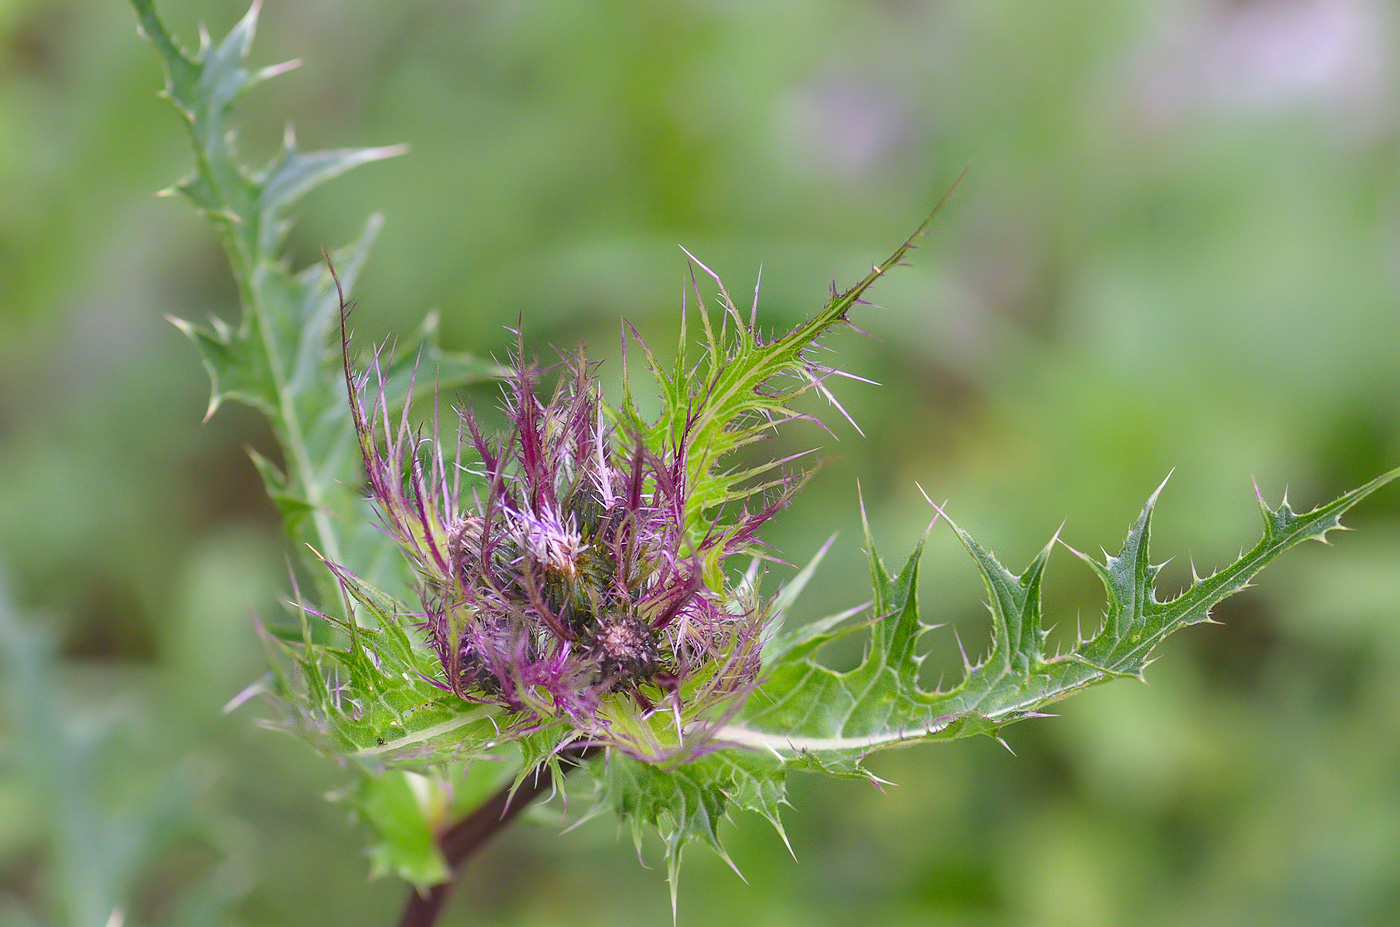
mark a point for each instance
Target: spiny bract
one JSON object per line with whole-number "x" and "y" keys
{"x": 556, "y": 577}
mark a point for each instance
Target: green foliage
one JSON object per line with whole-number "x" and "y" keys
{"x": 740, "y": 389}
{"x": 279, "y": 358}
{"x": 368, "y": 697}
{"x": 397, "y": 804}
{"x": 811, "y": 717}
{"x": 832, "y": 719}
{"x": 282, "y": 358}
{"x": 103, "y": 842}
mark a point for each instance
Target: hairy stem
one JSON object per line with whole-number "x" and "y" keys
{"x": 461, "y": 841}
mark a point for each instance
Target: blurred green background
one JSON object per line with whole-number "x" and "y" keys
{"x": 1176, "y": 247}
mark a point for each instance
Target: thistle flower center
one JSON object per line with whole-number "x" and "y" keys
{"x": 547, "y": 539}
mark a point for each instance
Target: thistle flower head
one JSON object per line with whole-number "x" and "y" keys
{"x": 557, "y": 579}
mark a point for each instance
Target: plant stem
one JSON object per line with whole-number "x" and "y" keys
{"x": 461, "y": 841}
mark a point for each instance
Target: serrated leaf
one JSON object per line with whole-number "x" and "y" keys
{"x": 293, "y": 174}
{"x": 278, "y": 356}
{"x": 809, "y": 716}
{"x": 813, "y": 714}
{"x": 689, "y": 802}
{"x": 739, "y": 390}
{"x": 237, "y": 368}
{"x": 812, "y": 717}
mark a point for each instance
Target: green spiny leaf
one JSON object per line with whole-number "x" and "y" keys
{"x": 689, "y": 802}
{"x": 835, "y": 718}
{"x": 372, "y": 698}
{"x": 278, "y": 358}
{"x": 293, "y": 174}
{"x": 237, "y": 367}
{"x": 809, "y": 716}
{"x": 741, "y": 389}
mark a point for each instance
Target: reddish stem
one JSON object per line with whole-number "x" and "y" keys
{"x": 461, "y": 841}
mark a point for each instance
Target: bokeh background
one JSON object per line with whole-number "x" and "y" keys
{"x": 1176, "y": 247}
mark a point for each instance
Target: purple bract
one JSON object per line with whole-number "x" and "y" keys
{"x": 557, "y": 578}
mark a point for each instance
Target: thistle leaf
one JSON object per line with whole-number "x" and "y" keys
{"x": 371, "y": 697}
{"x": 688, "y": 803}
{"x": 813, "y": 714}
{"x": 741, "y": 388}
{"x": 237, "y": 368}
{"x": 278, "y": 357}
{"x": 809, "y": 716}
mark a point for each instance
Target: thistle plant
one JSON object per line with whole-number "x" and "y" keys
{"x": 584, "y": 590}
